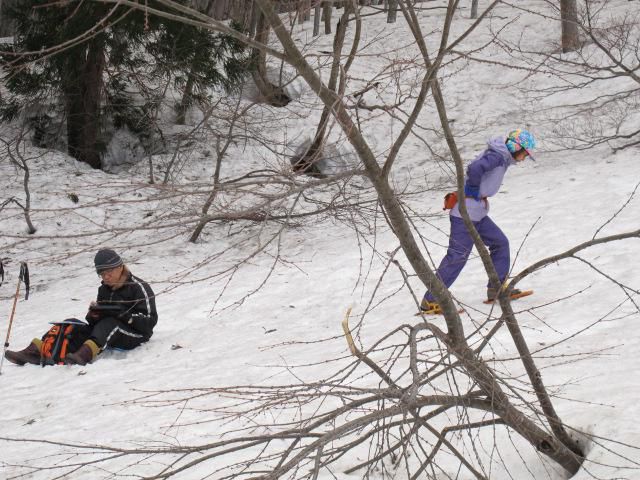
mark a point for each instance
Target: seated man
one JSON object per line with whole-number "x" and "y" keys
{"x": 123, "y": 315}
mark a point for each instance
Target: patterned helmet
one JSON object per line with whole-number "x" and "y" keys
{"x": 521, "y": 139}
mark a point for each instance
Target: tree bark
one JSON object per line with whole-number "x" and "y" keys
{"x": 392, "y": 13}
{"x": 474, "y": 9}
{"x": 304, "y": 11}
{"x": 186, "y": 101}
{"x": 272, "y": 94}
{"x": 569, "y": 20}
{"x": 6, "y": 25}
{"x": 83, "y": 99}
{"x": 307, "y": 162}
{"x": 317, "y": 13}
{"x": 326, "y": 16}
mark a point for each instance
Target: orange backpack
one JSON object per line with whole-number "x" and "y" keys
{"x": 55, "y": 343}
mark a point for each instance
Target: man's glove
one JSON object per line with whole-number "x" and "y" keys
{"x": 472, "y": 192}
{"x": 137, "y": 320}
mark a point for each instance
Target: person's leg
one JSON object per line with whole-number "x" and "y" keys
{"x": 109, "y": 332}
{"x": 460, "y": 245}
{"x": 114, "y": 333}
{"x": 80, "y": 334}
{"x": 30, "y": 354}
{"x": 498, "y": 244}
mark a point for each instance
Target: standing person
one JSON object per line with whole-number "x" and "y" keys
{"x": 123, "y": 315}
{"x": 483, "y": 180}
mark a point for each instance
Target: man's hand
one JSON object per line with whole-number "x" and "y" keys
{"x": 93, "y": 314}
{"x": 137, "y": 320}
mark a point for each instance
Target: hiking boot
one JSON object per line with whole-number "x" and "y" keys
{"x": 31, "y": 354}
{"x": 492, "y": 293}
{"x": 430, "y": 308}
{"x": 85, "y": 354}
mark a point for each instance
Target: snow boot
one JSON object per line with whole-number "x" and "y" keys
{"x": 31, "y": 354}
{"x": 492, "y": 293}
{"x": 85, "y": 354}
{"x": 430, "y": 308}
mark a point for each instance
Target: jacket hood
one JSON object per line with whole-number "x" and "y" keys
{"x": 497, "y": 145}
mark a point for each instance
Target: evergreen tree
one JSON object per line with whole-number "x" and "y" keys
{"x": 61, "y": 52}
{"x": 194, "y": 57}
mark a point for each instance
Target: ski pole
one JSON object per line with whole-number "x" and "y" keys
{"x": 22, "y": 277}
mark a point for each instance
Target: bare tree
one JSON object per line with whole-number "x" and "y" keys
{"x": 606, "y": 53}
{"x": 558, "y": 446}
{"x": 308, "y": 160}
{"x": 223, "y": 142}
{"x": 569, "y": 20}
{"x": 392, "y": 11}
{"x": 474, "y": 9}
{"x": 272, "y": 94}
{"x": 12, "y": 151}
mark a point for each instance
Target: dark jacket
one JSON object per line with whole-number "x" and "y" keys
{"x": 137, "y": 305}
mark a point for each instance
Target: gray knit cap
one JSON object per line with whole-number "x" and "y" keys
{"x": 106, "y": 259}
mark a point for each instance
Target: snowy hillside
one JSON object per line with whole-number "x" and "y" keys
{"x": 261, "y": 303}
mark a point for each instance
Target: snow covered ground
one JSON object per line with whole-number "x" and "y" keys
{"x": 210, "y": 334}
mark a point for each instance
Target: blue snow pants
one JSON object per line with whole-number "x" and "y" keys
{"x": 461, "y": 244}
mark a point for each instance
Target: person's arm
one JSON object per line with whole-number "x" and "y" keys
{"x": 477, "y": 169}
{"x": 93, "y": 316}
{"x": 142, "y": 315}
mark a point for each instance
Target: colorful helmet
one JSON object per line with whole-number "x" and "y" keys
{"x": 521, "y": 139}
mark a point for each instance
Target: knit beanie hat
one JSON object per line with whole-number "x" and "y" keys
{"x": 106, "y": 259}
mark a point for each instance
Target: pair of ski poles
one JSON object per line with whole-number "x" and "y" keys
{"x": 23, "y": 277}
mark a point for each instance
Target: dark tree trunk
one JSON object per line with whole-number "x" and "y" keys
{"x": 474, "y": 9}
{"x": 307, "y": 162}
{"x": 6, "y": 25}
{"x": 392, "y": 14}
{"x": 326, "y": 9}
{"x": 569, "y": 18}
{"x": 317, "y": 13}
{"x": 304, "y": 11}
{"x": 238, "y": 10}
{"x": 187, "y": 100}
{"x": 218, "y": 9}
{"x": 83, "y": 98}
{"x": 270, "y": 93}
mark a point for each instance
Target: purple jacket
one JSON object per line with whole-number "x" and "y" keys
{"x": 487, "y": 172}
